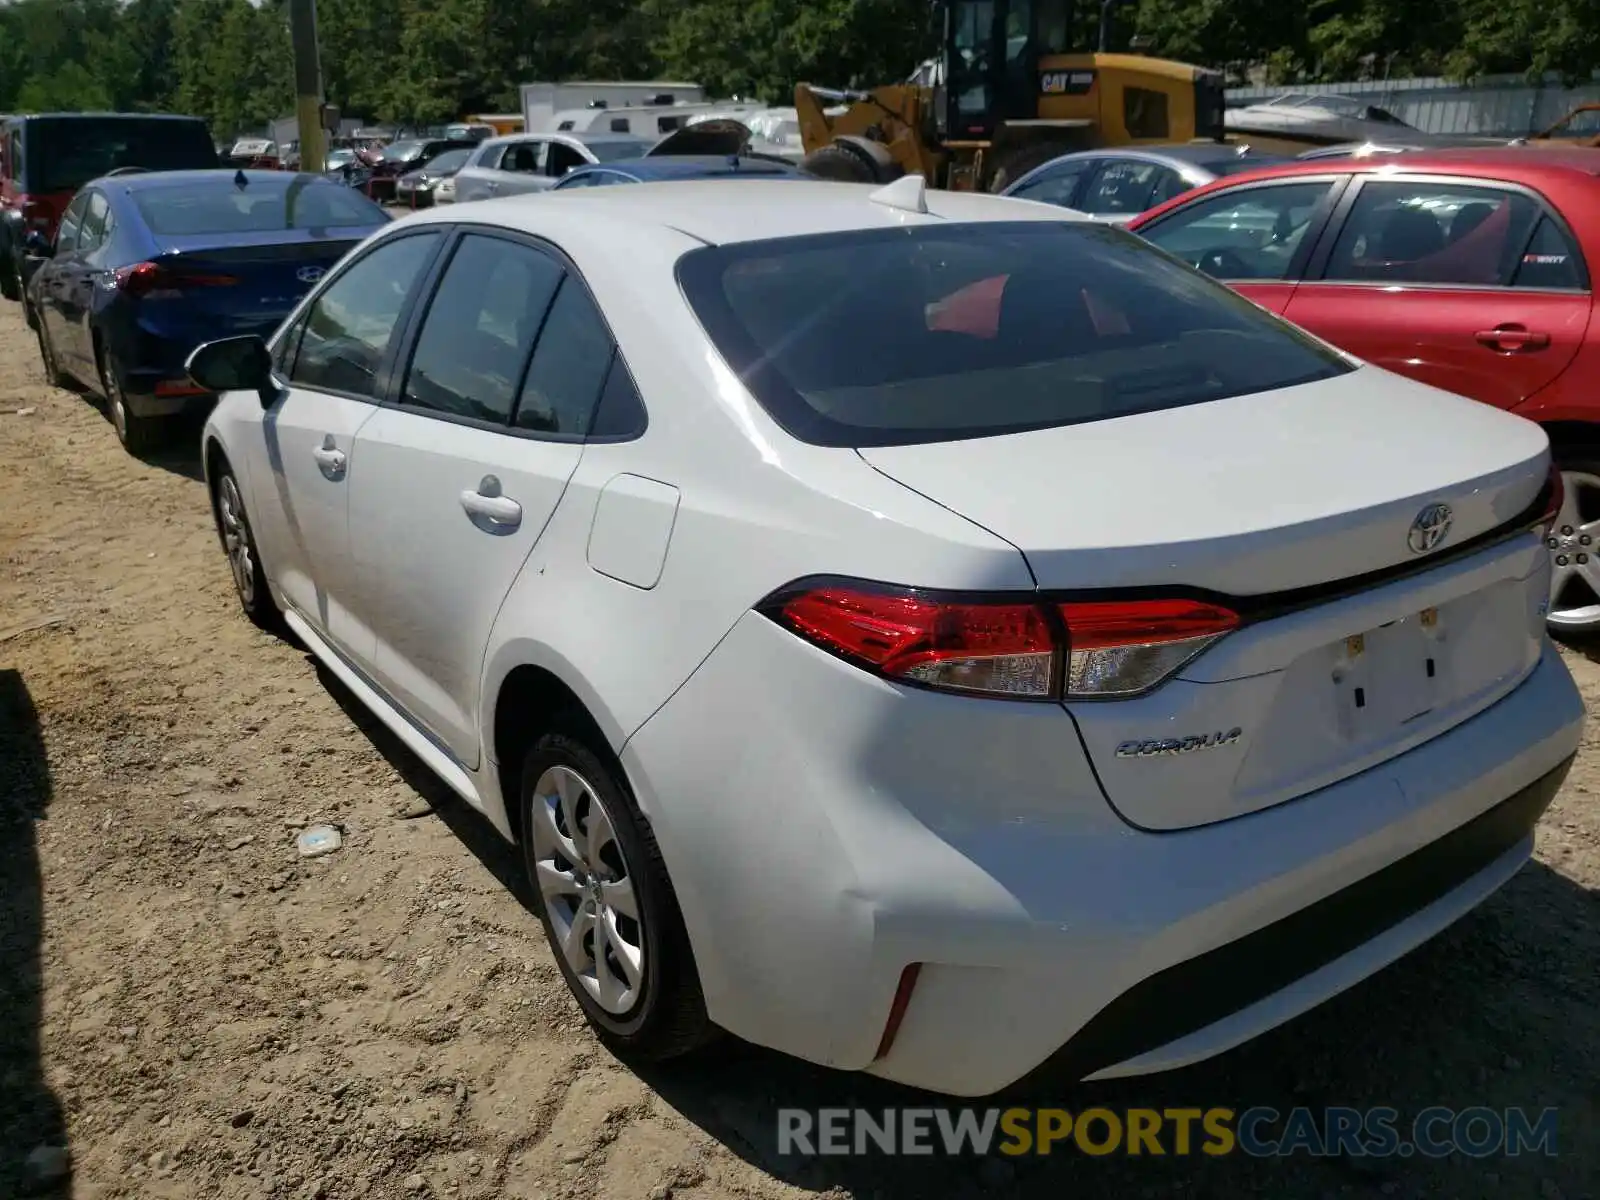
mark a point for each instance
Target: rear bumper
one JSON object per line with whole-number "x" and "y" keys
{"x": 824, "y": 830}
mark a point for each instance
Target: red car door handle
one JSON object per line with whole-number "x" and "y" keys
{"x": 1511, "y": 338}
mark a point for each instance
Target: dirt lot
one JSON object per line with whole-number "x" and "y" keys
{"x": 197, "y": 1012}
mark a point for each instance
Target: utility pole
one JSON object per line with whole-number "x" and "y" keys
{"x": 308, "y": 85}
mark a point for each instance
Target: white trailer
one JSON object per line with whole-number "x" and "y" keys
{"x": 542, "y": 101}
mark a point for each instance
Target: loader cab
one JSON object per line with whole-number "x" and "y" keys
{"x": 992, "y": 50}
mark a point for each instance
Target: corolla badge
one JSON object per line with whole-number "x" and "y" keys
{"x": 309, "y": 274}
{"x": 1429, "y": 528}
{"x": 1163, "y": 747}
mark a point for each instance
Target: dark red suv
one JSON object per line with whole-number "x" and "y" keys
{"x": 45, "y": 159}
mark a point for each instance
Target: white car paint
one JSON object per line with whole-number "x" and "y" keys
{"x": 825, "y": 827}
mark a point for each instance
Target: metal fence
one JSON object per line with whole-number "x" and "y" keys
{"x": 1496, "y": 106}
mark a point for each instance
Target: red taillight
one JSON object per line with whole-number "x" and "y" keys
{"x": 1009, "y": 646}
{"x": 1555, "y": 497}
{"x": 148, "y": 278}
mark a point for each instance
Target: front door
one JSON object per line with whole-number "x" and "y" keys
{"x": 335, "y": 361}
{"x": 1473, "y": 288}
{"x": 471, "y": 463}
{"x": 1256, "y": 238}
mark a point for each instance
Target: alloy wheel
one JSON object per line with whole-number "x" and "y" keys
{"x": 236, "y": 539}
{"x": 1575, "y": 556}
{"x": 587, "y": 889}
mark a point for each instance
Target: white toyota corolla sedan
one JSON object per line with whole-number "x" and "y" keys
{"x": 925, "y": 633}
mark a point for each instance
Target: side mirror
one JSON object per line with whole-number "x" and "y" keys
{"x": 38, "y": 245}
{"x": 236, "y": 364}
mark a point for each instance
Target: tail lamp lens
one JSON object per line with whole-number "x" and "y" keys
{"x": 154, "y": 280}
{"x": 1017, "y": 647}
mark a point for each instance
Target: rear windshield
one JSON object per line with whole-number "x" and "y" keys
{"x": 612, "y": 151}
{"x": 218, "y": 206}
{"x": 932, "y": 333}
{"x": 450, "y": 160}
{"x": 64, "y": 153}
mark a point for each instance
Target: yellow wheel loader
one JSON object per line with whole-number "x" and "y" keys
{"x": 1003, "y": 96}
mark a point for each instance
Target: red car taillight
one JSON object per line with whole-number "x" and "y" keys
{"x": 153, "y": 279}
{"x": 1021, "y": 647}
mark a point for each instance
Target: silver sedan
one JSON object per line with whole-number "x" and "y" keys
{"x": 1117, "y": 185}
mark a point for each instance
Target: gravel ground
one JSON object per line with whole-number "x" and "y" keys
{"x": 194, "y": 1011}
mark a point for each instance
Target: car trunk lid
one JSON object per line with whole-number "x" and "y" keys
{"x": 1372, "y": 619}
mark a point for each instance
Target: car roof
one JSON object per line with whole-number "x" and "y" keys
{"x": 1513, "y": 163}
{"x": 99, "y": 116}
{"x": 586, "y": 139}
{"x": 144, "y": 180}
{"x": 688, "y": 166}
{"x": 713, "y": 213}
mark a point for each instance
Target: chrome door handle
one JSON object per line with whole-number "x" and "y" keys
{"x": 489, "y": 503}
{"x": 330, "y": 460}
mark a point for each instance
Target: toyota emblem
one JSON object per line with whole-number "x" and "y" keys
{"x": 1429, "y": 528}
{"x": 309, "y": 274}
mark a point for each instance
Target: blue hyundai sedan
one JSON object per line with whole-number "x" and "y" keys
{"x": 145, "y": 267}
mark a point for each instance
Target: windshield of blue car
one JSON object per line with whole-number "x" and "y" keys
{"x": 260, "y": 207}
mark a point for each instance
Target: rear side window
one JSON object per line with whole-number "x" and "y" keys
{"x": 217, "y": 206}
{"x": 92, "y": 234}
{"x": 569, "y": 367}
{"x": 891, "y": 337}
{"x": 67, "y": 152}
{"x": 1550, "y": 262}
{"x": 1427, "y": 232}
{"x": 479, "y": 329}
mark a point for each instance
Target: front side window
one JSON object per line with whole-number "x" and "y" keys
{"x": 1055, "y": 185}
{"x": 1250, "y": 233}
{"x": 1432, "y": 233}
{"x": 349, "y": 326}
{"x": 479, "y": 329}
{"x": 935, "y": 333}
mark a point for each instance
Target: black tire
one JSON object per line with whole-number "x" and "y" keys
{"x": 10, "y": 277}
{"x": 28, "y": 315}
{"x": 1020, "y": 161}
{"x": 839, "y": 165}
{"x": 47, "y": 356}
{"x": 666, "y": 1018}
{"x": 138, "y": 435}
{"x": 249, "y": 578}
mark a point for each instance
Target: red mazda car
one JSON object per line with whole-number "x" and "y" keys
{"x": 1465, "y": 269}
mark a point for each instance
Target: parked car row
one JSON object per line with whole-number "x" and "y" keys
{"x": 974, "y": 592}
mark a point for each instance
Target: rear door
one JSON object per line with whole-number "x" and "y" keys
{"x": 1257, "y": 237}
{"x": 50, "y": 290}
{"x": 336, "y": 359}
{"x": 469, "y": 462}
{"x": 79, "y": 276}
{"x": 1474, "y": 287}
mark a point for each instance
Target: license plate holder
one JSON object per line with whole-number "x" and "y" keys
{"x": 1389, "y": 676}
